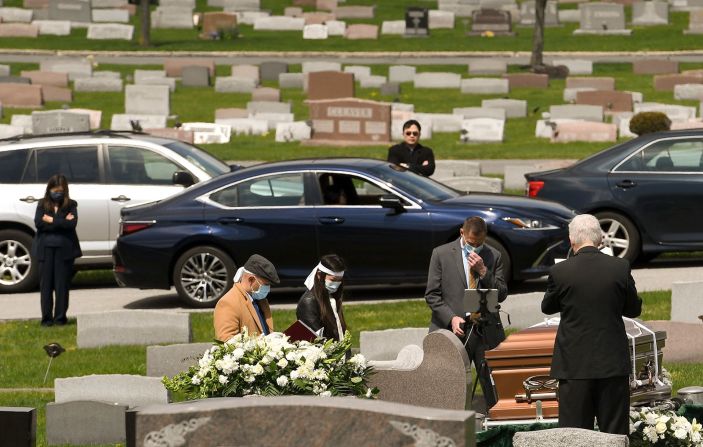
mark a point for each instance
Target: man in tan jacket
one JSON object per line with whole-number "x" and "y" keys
{"x": 245, "y": 305}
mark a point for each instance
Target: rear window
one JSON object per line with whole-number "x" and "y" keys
{"x": 12, "y": 164}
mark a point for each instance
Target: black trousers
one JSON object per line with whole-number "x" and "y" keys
{"x": 607, "y": 400}
{"x": 476, "y": 348}
{"x": 56, "y": 273}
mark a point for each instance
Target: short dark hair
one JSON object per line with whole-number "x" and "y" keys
{"x": 475, "y": 225}
{"x": 409, "y": 123}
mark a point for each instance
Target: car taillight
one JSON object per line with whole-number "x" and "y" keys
{"x": 533, "y": 188}
{"x": 132, "y": 227}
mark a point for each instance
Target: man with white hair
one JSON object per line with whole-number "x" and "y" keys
{"x": 592, "y": 291}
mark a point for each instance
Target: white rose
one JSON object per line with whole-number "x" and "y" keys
{"x": 660, "y": 427}
{"x": 258, "y": 370}
{"x": 356, "y": 379}
{"x": 282, "y": 363}
{"x": 223, "y": 379}
{"x": 238, "y": 353}
{"x": 195, "y": 380}
{"x": 282, "y": 381}
{"x": 294, "y": 375}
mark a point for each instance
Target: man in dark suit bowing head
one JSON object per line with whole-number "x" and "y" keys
{"x": 592, "y": 291}
{"x": 467, "y": 263}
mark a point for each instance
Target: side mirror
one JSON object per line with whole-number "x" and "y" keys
{"x": 392, "y": 202}
{"x": 183, "y": 178}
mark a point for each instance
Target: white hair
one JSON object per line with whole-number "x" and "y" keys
{"x": 585, "y": 228}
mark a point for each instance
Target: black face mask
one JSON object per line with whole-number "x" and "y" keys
{"x": 56, "y": 196}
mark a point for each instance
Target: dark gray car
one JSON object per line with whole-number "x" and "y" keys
{"x": 646, "y": 192}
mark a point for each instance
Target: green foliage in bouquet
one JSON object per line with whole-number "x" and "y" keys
{"x": 653, "y": 428}
{"x": 270, "y": 365}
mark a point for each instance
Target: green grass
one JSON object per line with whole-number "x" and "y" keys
{"x": 650, "y": 38}
{"x": 199, "y": 104}
{"x": 24, "y": 362}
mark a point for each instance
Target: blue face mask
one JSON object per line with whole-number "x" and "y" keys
{"x": 332, "y": 286}
{"x": 56, "y": 196}
{"x": 261, "y": 293}
{"x": 469, "y": 248}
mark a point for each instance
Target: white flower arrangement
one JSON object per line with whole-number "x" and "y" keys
{"x": 650, "y": 427}
{"x": 271, "y": 365}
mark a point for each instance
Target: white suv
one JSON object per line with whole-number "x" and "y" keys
{"x": 105, "y": 171}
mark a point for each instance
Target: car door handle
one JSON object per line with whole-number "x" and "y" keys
{"x": 230, "y": 220}
{"x": 627, "y": 184}
{"x": 331, "y": 220}
{"x": 29, "y": 199}
{"x": 120, "y": 198}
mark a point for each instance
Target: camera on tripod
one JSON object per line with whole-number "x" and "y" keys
{"x": 480, "y": 302}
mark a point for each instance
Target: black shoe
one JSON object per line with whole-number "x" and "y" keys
{"x": 47, "y": 323}
{"x": 60, "y": 322}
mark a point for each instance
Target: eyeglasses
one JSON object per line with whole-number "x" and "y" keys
{"x": 414, "y": 134}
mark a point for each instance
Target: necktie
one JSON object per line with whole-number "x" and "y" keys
{"x": 264, "y": 326}
{"x": 472, "y": 280}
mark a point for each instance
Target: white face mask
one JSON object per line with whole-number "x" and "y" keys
{"x": 332, "y": 286}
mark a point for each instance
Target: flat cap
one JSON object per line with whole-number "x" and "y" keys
{"x": 262, "y": 267}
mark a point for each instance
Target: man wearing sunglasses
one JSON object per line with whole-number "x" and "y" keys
{"x": 410, "y": 154}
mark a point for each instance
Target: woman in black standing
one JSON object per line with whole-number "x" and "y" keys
{"x": 56, "y": 247}
{"x": 320, "y": 307}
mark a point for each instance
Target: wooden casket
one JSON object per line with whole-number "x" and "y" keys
{"x": 520, "y": 368}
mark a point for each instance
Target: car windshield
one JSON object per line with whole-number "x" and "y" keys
{"x": 416, "y": 185}
{"x": 199, "y": 157}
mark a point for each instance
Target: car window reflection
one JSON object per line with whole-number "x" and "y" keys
{"x": 680, "y": 155}
{"x": 273, "y": 190}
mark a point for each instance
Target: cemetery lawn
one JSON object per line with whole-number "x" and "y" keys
{"x": 24, "y": 362}
{"x": 199, "y": 104}
{"x": 648, "y": 38}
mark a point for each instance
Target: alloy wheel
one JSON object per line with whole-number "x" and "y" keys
{"x": 204, "y": 277}
{"x": 615, "y": 236}
{"x": 15, "y": 262}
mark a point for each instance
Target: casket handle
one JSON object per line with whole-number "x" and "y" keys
{"x": 538, "y": 383}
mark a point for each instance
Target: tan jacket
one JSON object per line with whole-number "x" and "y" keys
{"x": 235, "y": 311}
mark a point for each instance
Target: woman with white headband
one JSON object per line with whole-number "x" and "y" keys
{"x": 320, "y": 307}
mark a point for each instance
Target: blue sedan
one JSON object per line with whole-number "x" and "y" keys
{"x": 381, "y": 218}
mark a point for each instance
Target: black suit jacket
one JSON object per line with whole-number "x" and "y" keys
{"x": 592, "y": 291}
{"x": 65, "y": 229}
{"x": 401, "y": 153}
{"x": 446, "y": 282}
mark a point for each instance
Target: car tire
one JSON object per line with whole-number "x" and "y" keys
{"x": 620, "y": 234}
{"x": 504, "y": 256}
{"x": 19, "y": 272}
{"x": 202, "y": 275}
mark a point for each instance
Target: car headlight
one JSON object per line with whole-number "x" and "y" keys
{"x": 528, "y": 223}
